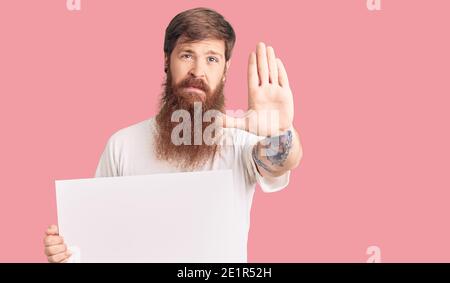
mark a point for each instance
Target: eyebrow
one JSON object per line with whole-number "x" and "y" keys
{"x": 208, "y": 52}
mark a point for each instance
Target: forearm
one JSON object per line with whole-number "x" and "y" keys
{"x": 274, "y": 156}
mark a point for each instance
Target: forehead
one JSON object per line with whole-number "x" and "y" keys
{"x": 203, "y": 46}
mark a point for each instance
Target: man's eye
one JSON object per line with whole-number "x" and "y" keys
{"x": 187, "y": 56}
{"x": 213, "y": 59}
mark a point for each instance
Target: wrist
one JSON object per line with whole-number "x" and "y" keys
{"x": 282, "y": 131}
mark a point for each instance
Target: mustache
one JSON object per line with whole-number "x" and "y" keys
{"x": 196, "y": 83}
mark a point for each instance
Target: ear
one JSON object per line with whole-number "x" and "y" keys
{"x": 227, "y": 65}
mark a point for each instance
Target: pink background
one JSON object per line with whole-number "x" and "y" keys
{"x": 372, "y": 106}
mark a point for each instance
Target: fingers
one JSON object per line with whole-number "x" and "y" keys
{"x": 56, "y": 249}
{"x": 52, "y": 230}
{"x": 270, "y": 68}
{"x": 263, "y": 68}
{"x": 252, "y": 72}
{"x": 53, "y": 240}
{"x": 282, "y": 74}
{"x": 273, "y": 68}
{"x": 59, "y": 257}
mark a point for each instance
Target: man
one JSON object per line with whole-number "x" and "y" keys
{"x": 258, "y": 147}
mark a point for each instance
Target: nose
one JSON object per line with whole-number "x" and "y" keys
{"x": 197, "y": 70}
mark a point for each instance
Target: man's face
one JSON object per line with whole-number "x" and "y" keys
{"x": 196, "y": 74}
{"x": 198, "y": 68}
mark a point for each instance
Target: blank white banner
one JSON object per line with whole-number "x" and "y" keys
{"x": 173, "y": 217}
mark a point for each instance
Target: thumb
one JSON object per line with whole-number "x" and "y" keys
{"x": 52, "y": 230}
{"x": 234, "y": 122}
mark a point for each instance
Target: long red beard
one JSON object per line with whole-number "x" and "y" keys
{"x": 183, "y": 156}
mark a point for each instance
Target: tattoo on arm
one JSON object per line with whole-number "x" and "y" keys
{"x": 276, "y": 150}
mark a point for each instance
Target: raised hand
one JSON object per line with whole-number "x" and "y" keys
{"x": 270, "y": 102}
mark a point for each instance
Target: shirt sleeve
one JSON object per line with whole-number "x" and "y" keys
{"x": 107, "y": 165}
{"x": 267, "y": 184}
